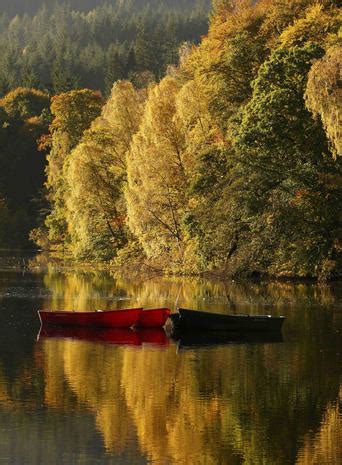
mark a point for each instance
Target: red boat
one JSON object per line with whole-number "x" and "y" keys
{"x": 153, "y": 318}
{"x": 110, "y": 319}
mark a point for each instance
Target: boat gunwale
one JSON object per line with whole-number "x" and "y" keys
{"x": 73, "y": 312}
{"x": 226, "y": 316}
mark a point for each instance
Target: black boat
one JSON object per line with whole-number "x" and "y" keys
{"x": 205, "y": 321}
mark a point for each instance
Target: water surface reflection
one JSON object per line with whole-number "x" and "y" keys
{"x": 138, "y": 398}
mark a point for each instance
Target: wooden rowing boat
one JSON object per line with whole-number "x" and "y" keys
{"x": 205, "y": 321}
{"x": 110, "y": 319}
{"x": 153, "y": 318}
{"x": 126, "y": 318}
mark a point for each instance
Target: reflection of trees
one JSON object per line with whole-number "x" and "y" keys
{"x": 262, "y": 400}
{"x": 236, "y": 404}
{"x": 149, "y": 381}
{"x": 325, "y": 447}
{"x": 57, "y": 393}
{"x": 91, "y": 290}
{"x": 5, "y": 398}
{"x": 243, "y": 399}
{"x": 82, "y": 291}
{"x": 94, "y": 374}
{"x": 250, "y": 404}
{"x": 176, "y": 423}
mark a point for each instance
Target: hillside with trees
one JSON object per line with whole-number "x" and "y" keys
{"x": 50, "y": 47}
{"x": 64, "y": 46}
{"x": 230, "y": 163}
{"x": 30, "y": 7}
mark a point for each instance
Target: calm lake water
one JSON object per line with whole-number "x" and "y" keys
{"x": 153, "y": 400}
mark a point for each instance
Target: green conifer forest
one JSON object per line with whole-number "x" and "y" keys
{"x": 132, "y": 134}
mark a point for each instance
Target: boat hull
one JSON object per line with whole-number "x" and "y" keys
{"x": 111, "y": 319}
{"x": 153, "y": 318}
{"x": 205, "y": 321}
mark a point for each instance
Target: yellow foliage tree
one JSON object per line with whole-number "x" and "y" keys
{"x": 314, "y": 27}
{"x": 73, "y": 113}
{"x": 157, "y": 175}
{"x": 96, "y": 174}
{"x": 324, "y": 95}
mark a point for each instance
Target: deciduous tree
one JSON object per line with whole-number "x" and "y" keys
{"x": 157, "y": 176}
{"x": 324, "y": 95}
{"x": 72, "y": 113}
{"x": 96, "y": 175}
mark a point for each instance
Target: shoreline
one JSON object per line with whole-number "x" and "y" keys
{"x": 33, "y": 260}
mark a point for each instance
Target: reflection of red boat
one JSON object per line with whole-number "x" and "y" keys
{"x": 155, "y": 336}
{"x": 153, "y": 318}
{"x": 120, "y": 336}
{"x": 123, "y": 336}
{"x": 111, "y": 319}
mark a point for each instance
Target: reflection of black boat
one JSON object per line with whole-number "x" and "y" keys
{"x": 119, "y": 336}
{"x": 196, "y": 320}
{"x": 215, "y": 338}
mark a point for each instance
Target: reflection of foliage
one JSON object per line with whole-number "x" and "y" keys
{"x": 25, "y": 391}
{"x": 326, "y": 445}
{"x": 262, "y": 403}
{"x": 84, "y": 290}
{"x": 182, "y": 405}
{"x": 246, "y": 398}
{"x": 102, "y": 394}
{"x": 81, "y": 291}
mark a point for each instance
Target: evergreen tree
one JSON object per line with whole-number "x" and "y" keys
{"x": 63, "y": 46}
{"x": 21, "y": 164}
{"x": 115, "y": 69}
{"x": 290, "y": 215}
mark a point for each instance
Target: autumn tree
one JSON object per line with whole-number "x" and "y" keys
{"x": 317, "y": 23}
{"x": 72, "y": 113}
{"x": 288, "y": 217}
{"x": 96, "y": 176}
{"x": 25, "y": 103}
{"x": 157, "y": 176}
{"x": 206, "y": 166}
{"x": 324, "y": 95}
{"x": 222, "y": 175}
{"x": 228, "y": 59}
